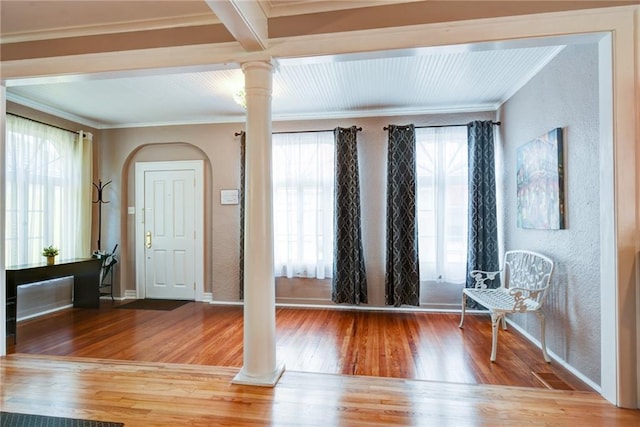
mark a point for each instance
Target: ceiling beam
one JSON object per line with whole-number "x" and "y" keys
{"x": 245, "y": 20}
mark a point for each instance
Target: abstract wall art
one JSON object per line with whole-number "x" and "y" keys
{"x": 540, "y": 178}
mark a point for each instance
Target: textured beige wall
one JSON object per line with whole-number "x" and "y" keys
{"x": 564, "y": 94}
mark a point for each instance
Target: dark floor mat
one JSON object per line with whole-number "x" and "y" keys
{"x": 10, "y": 419}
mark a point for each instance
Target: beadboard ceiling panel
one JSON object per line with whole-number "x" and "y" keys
{"x": 199, "y": 97}
{"x": 431, "y": 83}
{"x": 393, "y": 84}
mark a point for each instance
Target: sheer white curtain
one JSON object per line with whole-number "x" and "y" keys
{"x": 84, "y": 150}
{"x": 442, "y": 166}
{"x": 303, "y": 199}
{"x": 48, "y": 180}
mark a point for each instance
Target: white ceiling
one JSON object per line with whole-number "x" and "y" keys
{"x": 419, "y": 81}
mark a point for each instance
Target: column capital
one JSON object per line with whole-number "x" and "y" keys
{"x": 265, "y": 65}
{"x": 258, "y": 82}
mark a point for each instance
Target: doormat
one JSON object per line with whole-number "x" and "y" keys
{"x": 154, "y": 304}
{"x": 10, "y": 419}
{"x": 551, "y": 381}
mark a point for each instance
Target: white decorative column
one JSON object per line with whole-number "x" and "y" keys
{"x": 259, "y": 356}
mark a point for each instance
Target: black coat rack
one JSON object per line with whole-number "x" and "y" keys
{"x": 100, "y": 202}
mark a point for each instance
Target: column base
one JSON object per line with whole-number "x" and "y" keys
{"x": 269, "y": 380}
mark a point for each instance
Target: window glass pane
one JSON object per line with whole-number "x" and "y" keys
{"x": 303, "y": 181}
{"x": 441, "y": 165}
{"x": 43, "y": 177}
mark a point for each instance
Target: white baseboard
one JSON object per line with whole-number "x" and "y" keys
{"x": 207, "y": 297}
{"x": 213, "y": 302}
{"x": 115, "y": 298}
{"x": 307, "y": 302}
{"x": 423, "y": 308}
{"x": 323, "y": 304}
{"x": 556, "y": 358}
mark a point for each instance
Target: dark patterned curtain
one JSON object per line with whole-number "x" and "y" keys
{"x": 349, "y": 284}
{"x": 243, "y": 141}
{"x": 483, "y": 223}
{"x": 402, "y": 278}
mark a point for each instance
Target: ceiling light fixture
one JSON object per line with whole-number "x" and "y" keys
{"x": 240, "y": 98}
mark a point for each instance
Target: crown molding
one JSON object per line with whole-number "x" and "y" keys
{"x": 225, "y": 119}
{"x": 221, "y": 119}
{"x": 53, "y": 111}
{"x": 387, "y": 112}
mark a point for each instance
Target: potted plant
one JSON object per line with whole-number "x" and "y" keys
{"x": 50, "y": 252}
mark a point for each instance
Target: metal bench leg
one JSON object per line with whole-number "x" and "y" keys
{"x": 495, "y": 320}
{"x": 543, "y": 344}
{"x": 464, "y": 305}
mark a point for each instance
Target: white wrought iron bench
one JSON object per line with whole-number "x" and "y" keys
{"x": 524, "y": 282}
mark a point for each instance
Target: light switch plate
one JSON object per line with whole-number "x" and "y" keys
{"x": 228, "y": 197}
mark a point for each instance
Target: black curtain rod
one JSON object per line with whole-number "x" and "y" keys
{"x": 444, "y": 126}
{"x": 299, "y": 131}
{"x": 42, "y": 123}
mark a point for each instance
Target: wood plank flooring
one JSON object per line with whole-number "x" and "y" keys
{"x": 145, "y": 394}
{"x": 409, "y": 345}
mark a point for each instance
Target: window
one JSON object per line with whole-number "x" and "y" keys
{"x": 441, "y": 163}
{"x": 303, "y": 185}
{"x": 45, "y": 190}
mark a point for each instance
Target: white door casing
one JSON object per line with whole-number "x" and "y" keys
{"x": 169, "y": 230}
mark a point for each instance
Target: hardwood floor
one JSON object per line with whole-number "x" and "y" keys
{"x": 174, "y": 368}
{"x": 143, "y": 394}
{"x": 409, "y": 345}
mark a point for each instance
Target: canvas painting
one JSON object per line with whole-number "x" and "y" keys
{"x": 540, "y": 186}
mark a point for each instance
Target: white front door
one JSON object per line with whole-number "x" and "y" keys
{"x": 169, "y": 226}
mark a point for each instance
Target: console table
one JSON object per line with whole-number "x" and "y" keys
{"x": 86, "y": 283}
